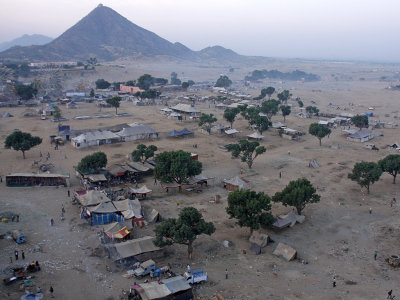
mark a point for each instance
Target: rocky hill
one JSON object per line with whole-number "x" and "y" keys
{"x": 26, "y": 40}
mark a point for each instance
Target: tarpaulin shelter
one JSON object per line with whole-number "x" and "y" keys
{"x": 255, "y": 136}
{"x": 132, "y": 248}
{"x": 142, "y": 191}
{"x": 92, "y": 197}
{"x": 182, "y": 133}
{"x": 116, "y": 230}
{"x": 31, "y": 179}
{"x": 236, "y": 183}
{"x": 103, "y": 213}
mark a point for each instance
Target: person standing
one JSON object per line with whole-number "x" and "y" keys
{"x": 17, "y": 218}
{"x": 51, "y": 292}
{"x": 23, "y": 254}
{"x": 68, "y": 193}
{"x": 188, "y": 269}
{"x": 16, "y": 254}
{"x": 370, "y": 210}
{"x": 280, "y": 174}
{"x": 375, "y": 255}
{"x": 52, "y": 222}
{"x": 334, "y": 281}
{"x": 226, "y": 273}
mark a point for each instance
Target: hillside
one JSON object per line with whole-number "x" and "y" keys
{"x": 26, "y": 40}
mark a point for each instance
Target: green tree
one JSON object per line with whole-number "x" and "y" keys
{"x": 270, "y": 107}
{"x": 391, "y": 164}
{"x": 223, "y": 81}
{"x": 312, "y": 110}
{"x": 191, "y": 82}
{"x": 114, "y": 102}
{"x": 176, "y": 166}
{"x": 365, "y": 173}
{"x": 286, "y": 110}
{"x": 92, "y": 93}
{"x": 269, "y": 91}
{"x": 102, "y": 84}
{"x": 174, "y": 79}
{"x": 318, "y": 130}
{"x": 21, "y": 141}
{"x": 26, "y": 92}
{"x": 297, "y": 193}
{"x": 262, "y": 95}
{"x": 148, "y": 94}
{"x": 145, "y": 81}
{"x": 360, "y": 121}
{"x": 184, "y": 230}
{"x": 57, "y": 113}
{"x": 230, "y": 115}
{"x": 92, "y": 163}
{"x": 92, "y": 61}
{"x": 300, "y": 103}
{"x": 251, "y": 209}
{"x": 247, "y": 151}
{"x": 207, "y": 120}
{"x": 284, "y": 96}
{"x": 131, "y": 83}
{"x": 260, "y": 123}
{"x": 143, "y": 152}
{"x": 185, "y": 85}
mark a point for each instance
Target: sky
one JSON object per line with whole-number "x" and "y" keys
{"x": 315, "y": 29}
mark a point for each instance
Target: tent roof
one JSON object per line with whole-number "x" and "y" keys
{"x": 92, "y": 198}
{"x": 139, "y": 166}
{"x": 176, "y": 284}
{"x": 231, "y": 131}
{"x": 47, "y": 175}
{"x": 135, "y": 129}
{"x": 237, "y": 181}
{"x": 185, "y": 108}
{"x": 103, "y": 208}
{"x": 135, "y": 247}
{"x": 142, "y": 190}
{"x": 361, "y": 134}
{"x": 255, "y": 135}
{"x": 96, "y": 177}
{"x": 153, "y": 290}
{"x": 117, "y": 234}
{"x": 129, "y": 208}
{"x": 116, "y": 169}
{"x": 95, "y": 135}
{"x": 184, "y": 131}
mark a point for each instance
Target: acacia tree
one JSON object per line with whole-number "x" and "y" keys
{"x": 145, "y": 81}
{"x": 312, "y": 110}
{"x": 207, "y": 120}
{"x": 286, "y": 110}
{"x": 183, "y": 230}
{"x": 143, "y": 152}
{"x": 247, "y": 151}
{"x": 365, "y": 174}
{"x": 391, "y": 164}
{"x": 270, "y": 108}
{"x": 269, "y": 91}
{"x": 223, "y": 81}
{"x": 284, "y": 96}
{"x": 176, "y": 166}
{"x": 252, "y": 115}
{"x": 318, "y": 130}
{"x": 114, "y": 102}
{"x": 230, "y": 115}
{"x": 251, "y": 209}
{"x": 300, "y": 103}
{"x": 360, "y": 121}
{"x": 21, "y": 141}
{"x": 92, "y": 163}
{"x": 57, "y": 113}
{"x": 102, "y": 84}
{"x": 297, "y": 193}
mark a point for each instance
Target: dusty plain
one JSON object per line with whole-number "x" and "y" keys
{"x": 338, "y": 238}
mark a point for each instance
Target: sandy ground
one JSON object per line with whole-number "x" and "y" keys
{"x": 339, "y": 236}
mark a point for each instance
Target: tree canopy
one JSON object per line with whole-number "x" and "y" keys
{"x": 92, "y": 163}
{"x": 26, "y": 92}
{"x": 252, "y": 115}
{"x": 297, "y": 193}
{"x": 360, "y": 121}
{"x": 174, "y": 79}
{"x": 312, "y": 109}
{"x": 300, "y": 103}
{"x": 57, "y": 113}
{"x": 207, "y": 120}
{"x": 143, "y": 152}
{"x": 391, "y": 164}
{"x": 230, "y": 115}
{"x": 247, "y": 151}
{"x": 176, "y": 166}
{"x": 365, "y": 174}
{"x": 21, "y": 141}
{"x": 145, "y": 81}
{"x": 269, "y": 91}
{"x": 275, "y": 74}
{"x": 148, "y": 94}
{"x": 102, "y": 84}
{"x": 251, "y": 209}
{"x": 223, "y": 81}
{"x": 284, "y": 96}
{"x": 270, "y": 107}
{"x": 184, "y": 230}
{"x": 318, "y": 130}
{"x": 286, "y": 110}
{"x": 114, "y": 102}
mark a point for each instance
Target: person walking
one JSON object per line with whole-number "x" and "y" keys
{"x": 16, "y": 254}
{"x": 69, "y": 194}
{"x": 334, "y": 281}
{"x": 226, "y": 273}
{"x": 52, "y": 222}
{"x": 17, "y": 218}
{"x": 389, "y": 294}
{"x": 23, "y": 254}
{"x": 188, "y": 269}
{"x": 280, "y": 174}
{"x": 51, "y": 292}
{"x": 63, "y": 209}
{"x": 370, "y": 210}
{"x": 375, "y": 255}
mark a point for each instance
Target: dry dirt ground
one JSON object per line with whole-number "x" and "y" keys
{"x": 338, "y": 238}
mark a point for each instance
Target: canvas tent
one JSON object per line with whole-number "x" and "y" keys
{"x": 185, "y": 108}
{"x": 231, "y": 132}
{"x": 361, "y": 136}
{"x": 259, "y": 239}
{"x": 236, "y": 183}
{"x": 137, "y": 131}
{"x": 255, "y": 136}
{"x": 154, "y": 216}
{"x": 285, "y": 251}
{"x": 91, "y": 198}
{"x": 94, "y": 138}
{"x": 117, "y": 230}
{"x": 168, "y": 289}
{"x": 102, "y": 213}
{"x": 185, "y": 133}
{"x": 314, "y": 164}
{"x": 132, "y": 248}
{"x": 142, "y": 191}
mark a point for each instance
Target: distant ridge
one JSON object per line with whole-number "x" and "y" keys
{"x": 107, "y": 35}
{"x": 26, "y": 40}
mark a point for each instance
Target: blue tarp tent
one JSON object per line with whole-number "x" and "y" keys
{"x": 173, "y": 133}
{"x": 369, "y": 114}
{"x": 184, "y": 131}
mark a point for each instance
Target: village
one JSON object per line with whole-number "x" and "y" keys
{"x": 93, "y": 229}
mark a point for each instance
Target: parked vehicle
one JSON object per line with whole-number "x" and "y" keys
{"x": 195, "y": 276}
{"x": 145, "y": 268}
{"x": 158, "y": 272}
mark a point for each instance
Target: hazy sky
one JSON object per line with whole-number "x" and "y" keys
{"x": 333, "y": 29}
